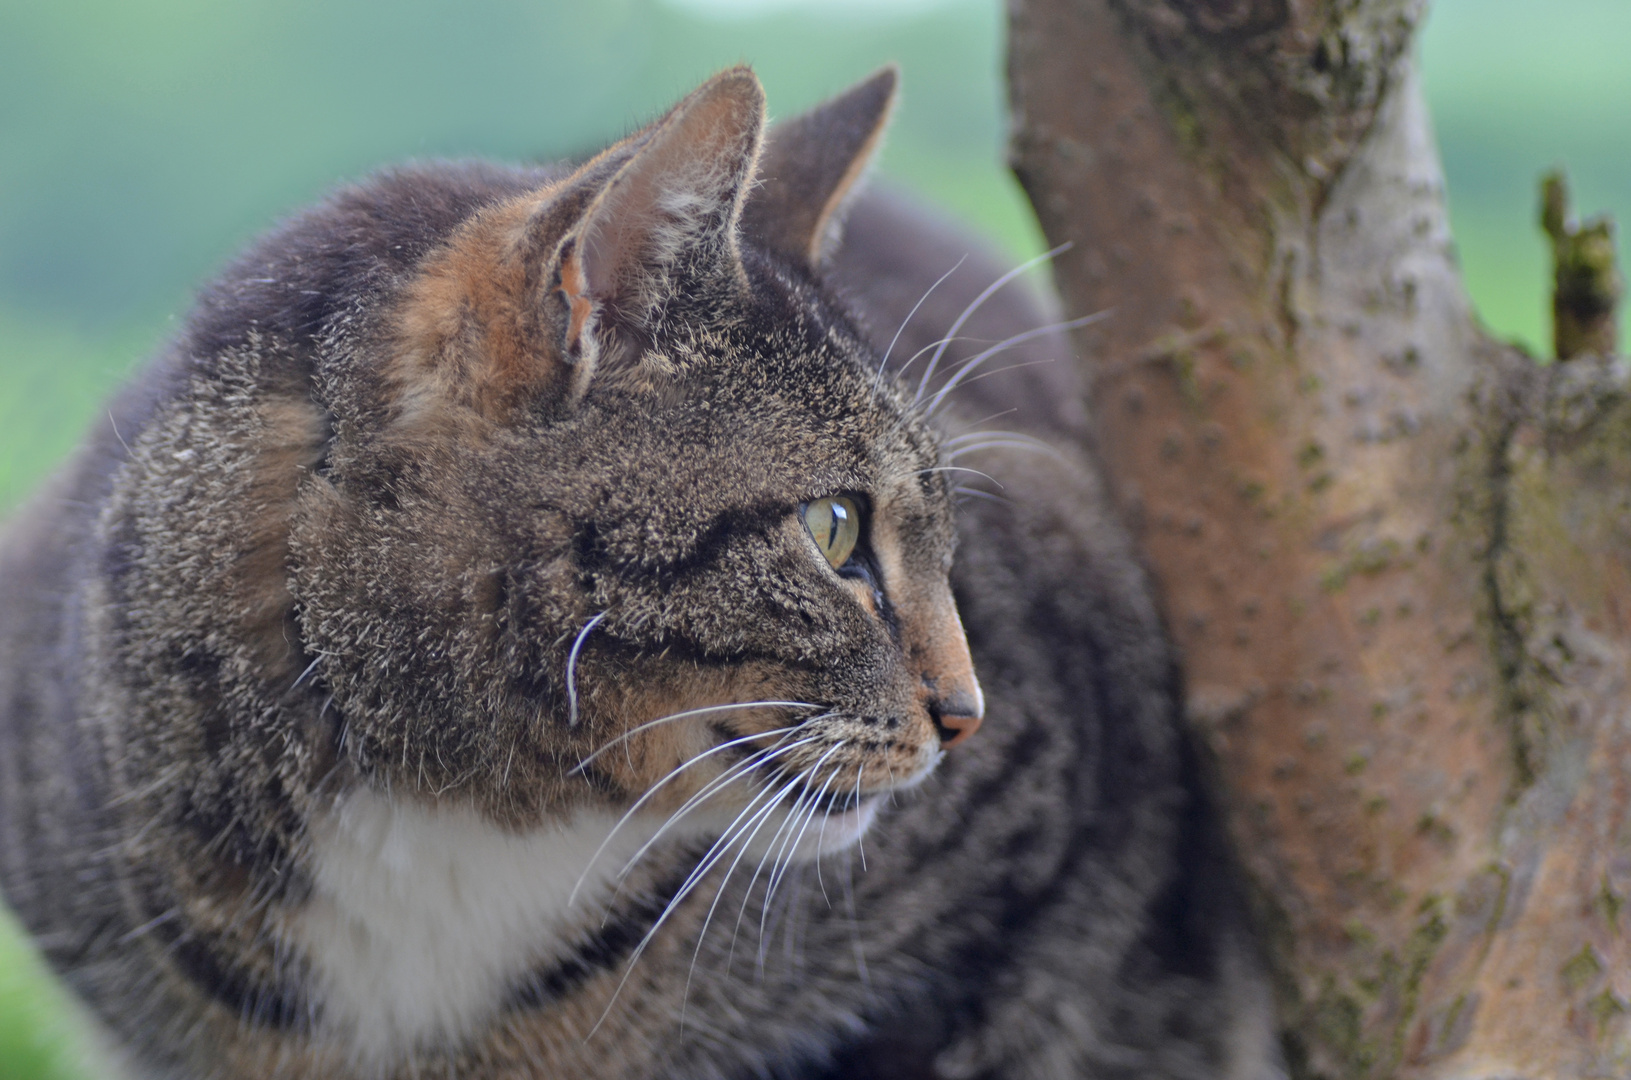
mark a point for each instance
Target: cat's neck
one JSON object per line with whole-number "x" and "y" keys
{"x": 423, "y": 917}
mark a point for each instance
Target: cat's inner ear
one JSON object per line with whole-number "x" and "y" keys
{"x": 667, "y": 219}
{"x": 812, "y": 165}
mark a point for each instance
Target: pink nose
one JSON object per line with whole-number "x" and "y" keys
{"x": 957, "y": 714}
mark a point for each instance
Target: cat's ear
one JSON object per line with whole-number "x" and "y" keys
{"x": 667, "y": 219}
{"x": 530, "y": 297}
{"x": 811, "y": 166}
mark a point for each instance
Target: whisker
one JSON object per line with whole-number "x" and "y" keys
{"x": 971, "y": 436}
{"x": 735, "y": 772}
{"x": 793, "y": 940}
{"x": 311, "y": 667}
{"x": 681, "y": 716}
{"x": 860, "y": 841}
{"x": 1012, "y": 367}
{"x": 1008, "y": 343}
{"x": 712, "y": 788}
{"x": 821, "y": 841}
{"x": 958, "y": 468}
{"x": 934, "y": 360}
{"x": 728, "y": 838}
{"x": 884, "y": 363}
{"x": 708, "y": 862}
{"x": 164, "y": 779}
{"x": 792, "y": 818}
{"x": 571, "y": 673}
{"x": 784, "y": 857}
{"x": 747, "y": 893}
{"x": 937, "y": 343}
{"x": 988, "y": 419}
{"x": 652, "y": 791}
{"x": 151, "y": 924}
{"x": 114, "y": 424}
{"x": 1018, "y": 443}
{"x": 855, "y": 923}
{"x": 719, "y": 894}
{"x": 812, "y": 772}
{"x": 978, "y": 494}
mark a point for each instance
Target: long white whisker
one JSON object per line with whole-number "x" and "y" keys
{"x": 884, "y": 363}
{"x": 747, "y": 894}
{"x": 571, "y": 670}
{"x": 812, "y": 772}
{"x": 986, "y": 420}
{"x": 1013, "y": 367}
{"x": 311, "y": 667}
{"x": 708, "y": 792}
{"x": 719, "y": 893}
{"x": 730, "y": 775}
{"x": 682, "y": 715}
{"x": 1034, "y": 445}
{"x": 972, "y": 436}
{"x": 958, "y": 468}
{"x": 652, "y": 791}
{"x": 821, "y": 839}
{"x": 928, "y": 373}
{"x": 860, "y": 841}
{"x": 793, "y": 942}
{"x": 937, "y": 343}
{"x": 788, "y": 824}
{"x": 855, "y": 923}
{"x": 707, "y": 863}
{"x": 754, "y": 813}
{"x": 784, "y": 858}
{"x": 1008, "y": 343}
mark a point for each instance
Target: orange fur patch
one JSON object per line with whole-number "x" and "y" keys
{"x": 465, "y": 325}
{"x": 575, "y": 289}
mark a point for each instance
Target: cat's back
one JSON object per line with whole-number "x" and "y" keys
{"x": 311, "y": 278}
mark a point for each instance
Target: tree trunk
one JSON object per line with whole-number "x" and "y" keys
{"x": 1393, "y": 551}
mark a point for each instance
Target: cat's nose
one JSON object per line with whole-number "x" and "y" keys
{"x": 958, "y": 710}
{"x": 948, "y": 689}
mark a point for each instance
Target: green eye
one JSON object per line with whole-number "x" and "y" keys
{"x": 835, "y": 525}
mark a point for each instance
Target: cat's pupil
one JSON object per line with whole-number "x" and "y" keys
{"x": 835, "y": 525}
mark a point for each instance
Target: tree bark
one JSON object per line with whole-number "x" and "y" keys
{"x": 1395, "y": 553}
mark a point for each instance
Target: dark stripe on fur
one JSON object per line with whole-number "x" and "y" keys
{"x": 605, "y": 950}
{"x": 254, "y": 999}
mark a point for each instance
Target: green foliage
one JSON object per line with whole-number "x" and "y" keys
{"x": 40, "y": 1038}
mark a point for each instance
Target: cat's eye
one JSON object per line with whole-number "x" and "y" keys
{"x": 835, "y": 525}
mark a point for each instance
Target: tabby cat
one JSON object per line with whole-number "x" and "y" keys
{"x": 513, "y": 631}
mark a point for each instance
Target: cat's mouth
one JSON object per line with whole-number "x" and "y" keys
{"x": 815, "y": 788}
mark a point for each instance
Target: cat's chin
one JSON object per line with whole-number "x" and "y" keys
{"x": 795, "y": 835}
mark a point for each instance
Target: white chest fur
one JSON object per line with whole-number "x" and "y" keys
{"x": 421, "y": 917}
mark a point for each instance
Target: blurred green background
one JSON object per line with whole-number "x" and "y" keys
{"x": 142, "y": 142}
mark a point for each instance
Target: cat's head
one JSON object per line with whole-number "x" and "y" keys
{"x": 616, "y": 468}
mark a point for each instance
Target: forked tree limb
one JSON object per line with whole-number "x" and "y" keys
{"x": 1396, "y": 554}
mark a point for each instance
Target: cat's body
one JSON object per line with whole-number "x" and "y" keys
{"x": 470, "y": 475}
